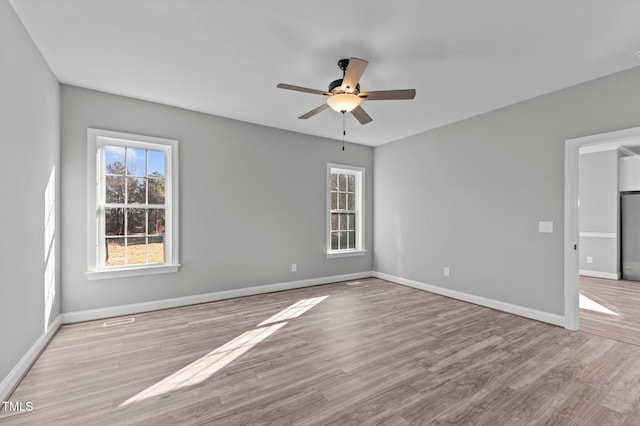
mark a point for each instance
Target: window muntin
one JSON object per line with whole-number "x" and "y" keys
{"x": 345, "y": 218}
{"x": 133, "y": 209}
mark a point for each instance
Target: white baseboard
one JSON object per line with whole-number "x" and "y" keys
{"x": 598, "y": 274}
{"x": 22, "y": 367}
{"x": 134, "y": 308}
{"x": 478, "y": 300}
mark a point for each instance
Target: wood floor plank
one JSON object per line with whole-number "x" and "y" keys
{"x": 368, "y": 352}
{"x": 622, "y": 298}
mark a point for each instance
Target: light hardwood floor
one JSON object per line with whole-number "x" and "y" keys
{"x": 371, "y": 352}
{"x": 622, "y": 299}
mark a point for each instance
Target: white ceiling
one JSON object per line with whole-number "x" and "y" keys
{"x": 225, "y": 57}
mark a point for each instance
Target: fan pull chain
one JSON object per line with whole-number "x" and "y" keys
{"x": 344, "y": 132}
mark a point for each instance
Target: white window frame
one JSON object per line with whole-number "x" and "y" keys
{"x": 96, "y": 141}
{"x": 359, "y": 173}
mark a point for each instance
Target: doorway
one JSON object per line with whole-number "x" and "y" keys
{"x": 605, "y": 141}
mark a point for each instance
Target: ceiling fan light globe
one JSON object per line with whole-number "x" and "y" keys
{"x": 343, "y": 102}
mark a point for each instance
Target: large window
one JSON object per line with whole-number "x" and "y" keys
{"x": 345, "y": 217}
{"x": 133, "y": 204}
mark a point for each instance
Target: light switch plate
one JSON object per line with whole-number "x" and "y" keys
{"x": 546, "y": 227}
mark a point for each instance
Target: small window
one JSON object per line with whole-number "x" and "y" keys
{"x": 133, "y": 209}
{"x": 345, "y": 221}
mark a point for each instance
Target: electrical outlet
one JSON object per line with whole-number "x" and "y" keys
{"x": 589, "y": 259}
{"x": 294, "y": 267}
{"x": 447, "y": 271}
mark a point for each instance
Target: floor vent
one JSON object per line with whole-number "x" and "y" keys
{"x": 118, "y": 321}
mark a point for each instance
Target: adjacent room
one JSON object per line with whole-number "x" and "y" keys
{"x": 609, "y": 237}
{"x": 336, "y": 213}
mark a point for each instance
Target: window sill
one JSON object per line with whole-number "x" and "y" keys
{"x": 131, "y": 272}
{"x": 346, "y": 253}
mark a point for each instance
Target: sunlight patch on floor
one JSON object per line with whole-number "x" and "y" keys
{"x": 294, "y": 311}
{"x": 591, "y": 305}
{"x": 203, "y": 368}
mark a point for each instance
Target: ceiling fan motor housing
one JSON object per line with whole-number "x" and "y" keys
{"x": 335, "y": 87}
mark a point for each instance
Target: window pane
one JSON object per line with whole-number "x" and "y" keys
{"x": 352, "y": 222}
{"x": 156, "y": 191}
{"x": 136, "y": 162}
{"x": 351, "y": 240}
{"x": 156, "y": 221}
{"x": 342, "y": 183}
{"x": 136, "y": 251}
{"x": 114, "y": 248}
{"x": 137, "y": 190}
{"x": 156, "y": 164}
{"x": 136, "y": 221}
{"x": 343, "y": 222}
{"x": 334, "y": 182}
{"x": 114, "y": 221}
{"x": 334, "y": 221}
{"x": 334, "y": 201}
{"x": 155, "y": 249}
{"x": 351, "y": 202}
{"x": 113, "y": 160}
{"x": 114, "y": 189}
{"x": 351, "y": 183}
{"x": 343, "y": 241}
{"x": 334, "y": 241}
{"x": 342, "y": 203}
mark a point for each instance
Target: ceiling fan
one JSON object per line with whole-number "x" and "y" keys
{"x": 344, "y": 94}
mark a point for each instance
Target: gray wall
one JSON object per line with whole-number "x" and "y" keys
{"x": 469, "y": 195}
{"x": 598, "y": 212}
{"x": 252, "y": 201}
{"x": 30, "y": 142}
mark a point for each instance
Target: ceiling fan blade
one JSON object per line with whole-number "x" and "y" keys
{"x": 314, "y": 111}
{"x": 384, "y": 95}
{"x": 302, "y": 89}
{"x": 353, "y": 73}
{"x": 361, "y": 115}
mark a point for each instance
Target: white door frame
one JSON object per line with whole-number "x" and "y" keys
{"x": 610, "y": 140}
